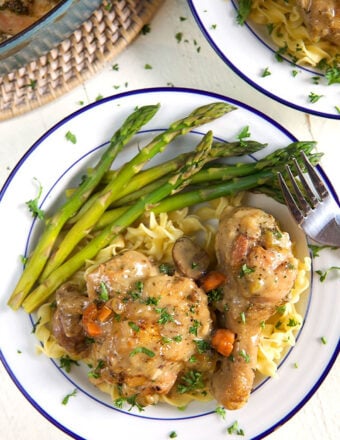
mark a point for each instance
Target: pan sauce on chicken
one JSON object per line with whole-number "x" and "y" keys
{"x": 141, "y": 321}
{"x": 322, "y": 18}
{"x": 146, "y": 338}
{"x": 257, "y": 258}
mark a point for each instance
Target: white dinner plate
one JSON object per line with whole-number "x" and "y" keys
{"x": 56, "y": 163}
{"x": 248, "y": 51}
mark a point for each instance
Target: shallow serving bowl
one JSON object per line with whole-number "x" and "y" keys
{"x": 44, "y": 34}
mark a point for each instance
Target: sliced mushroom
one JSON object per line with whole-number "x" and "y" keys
{"x": 190, "y": 259}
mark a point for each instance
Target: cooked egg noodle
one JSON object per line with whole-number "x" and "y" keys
{"x": 155, "y": 236}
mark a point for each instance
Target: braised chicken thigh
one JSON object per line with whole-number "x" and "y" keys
{"x": 322, "y": 18}
{"x": 257, "y": 259}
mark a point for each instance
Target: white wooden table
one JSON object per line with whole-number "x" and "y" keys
{"x": 179, "y": 64}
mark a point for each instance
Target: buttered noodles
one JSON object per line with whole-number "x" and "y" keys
{"x": 154, "y": 236}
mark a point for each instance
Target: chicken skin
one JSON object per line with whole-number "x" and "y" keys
{"x": 322, "y": 18}
{"x": 257, "y": 259}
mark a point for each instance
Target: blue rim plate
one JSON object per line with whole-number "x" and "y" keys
{"x": 56, "y": 163}
{"x": 247, "y": 51}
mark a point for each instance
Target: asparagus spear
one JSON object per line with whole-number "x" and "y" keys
{"x": 38, "y": 258}
{"x": 228, "y": 172}
{"x": 111, "y": 192}
{"x": 259, "y": 180}
{"x": 140, "y": 180}
{"x": 174, "y": 184}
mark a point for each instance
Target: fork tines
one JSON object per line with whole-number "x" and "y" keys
{"x": 307, "y": 196}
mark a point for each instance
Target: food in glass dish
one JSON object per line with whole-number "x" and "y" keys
{"x": 129, "y": 277}
{"x": 306, "y": 31}
{"x": 17, "y": 15}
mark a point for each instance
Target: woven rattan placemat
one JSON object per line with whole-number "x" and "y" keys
{"x": 110, "y": 29}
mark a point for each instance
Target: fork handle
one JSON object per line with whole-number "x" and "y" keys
{"x": 330, "y": 234}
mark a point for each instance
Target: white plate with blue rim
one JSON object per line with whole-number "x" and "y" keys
{"x": 89, "y": 414}
{"x": 247, "y": 50}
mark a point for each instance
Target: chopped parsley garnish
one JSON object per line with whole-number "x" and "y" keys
{"x": 35, "y": 325}
{"x": 190, "y": 381}
{"x": 292, "y": 323}
{"x": 131, "y": 400}
{"x": 103, "y": 292}
{"x": 143, "y": 350}
{"x": 266, "y": 72}
{"x": 296, "y": 365}
{"x": 235, "y": 429}
{"x": 313, "y": 97}
{"x": 147, "y": 66}
{"x": 221, "y": 411}
{"x": 66, "y": 363}
{"x": 245, "y": 270}
{"x": 323, "y": 274}
{"x": 179, "y": 36}
{"x": 146, "y": 29}
{"x": 165, "y": 316}
{"x": 67, "y": 397}
{"x": 202, "y": 345}
{"x": 281, "y": 309}
{"x": 243, "y": 11}
{"x": 152, "y": 301}
{"x": 244, "y": 355}
{"x": 243, "y": 317}
{"x": 244, "y": 133}
{"x": 315, "y": 249}
{"x": 215, "y": 295}
{"x": 166, "y": 268}
{"x": 115, "y": 67}
{"x": 194, "y": 328}
{"x": 323, "y": 340}
{"x": 95, "y": 373}
{"x": 71, "y": 137}
{"x": 332, "y": 75}
{"x": 173, "y": 434}
{"x": 134, "y": 326}
{"x": 33, "y": 204}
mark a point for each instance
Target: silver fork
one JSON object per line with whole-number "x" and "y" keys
{"x": 317, "y": 213}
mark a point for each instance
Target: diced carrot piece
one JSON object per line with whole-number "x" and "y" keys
{"x": 104, "y": 313}
{"x": 93, "y": 329}
{"x": 212, "y": 280}
{"x": 223, "y": 341}
{"x": 89, "y": 316}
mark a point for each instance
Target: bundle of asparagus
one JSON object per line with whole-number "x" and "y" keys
{"x": 107, "y": 201}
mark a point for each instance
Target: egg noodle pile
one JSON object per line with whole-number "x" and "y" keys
{"x": 154, "y": 237}
{"x": 288, "y": 31}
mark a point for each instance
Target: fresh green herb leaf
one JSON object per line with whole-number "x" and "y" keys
{"x": 243, "y": 11}
{"x": 202, "y": 345}
{"x": 244, "y": 355}
{"x": 35, "y": 325}
{"x": 313, "y": 97}
{"x": 103, "y": 292}
{"x": 243, "y": 134}
{"x": 281, "y": 309}
{"x": 134, "y": 326}
{"x": 266, "y": 72}
{"x": 33, "y": 204}
{"x": 179, "y": 36}
{"x": 332, "y": 75}
{"x": 323, "y": 274}
{"x": 296, "y": 365}
{"x": 215, "y": 295}
{"x": 173, "y": 434}
{"x": 323, "y": 340}
{"x": 131, "y": 400}
{"x": 221, "y": 411}
{"x": 191, "y": 381}
{"x": 143, "y": 350}
{"x": 292, "y": 322}
{"x": 165, "y": 316}
{"x": 66, "y": 363}
{"x": 235, "y": 429}
{"x": 194, "y": 328}
{"x": 115, "y": 67}
{"x": 245, "y": 270}
{"x": 95, "y": 373}
{"x": 67, "y": 397}
{"x": 71, "y": 137}
{"x": 166, "y": 268}
{"x": 147, "y": 66}
{"x": 315, "y": 249}
{"x": 146, "y": 29}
